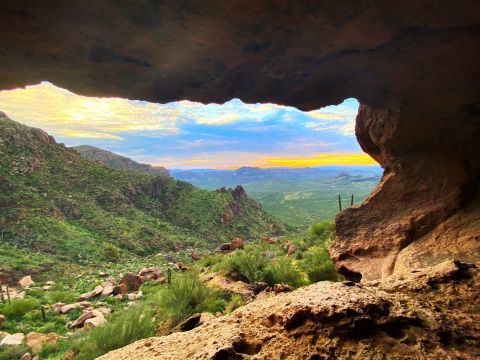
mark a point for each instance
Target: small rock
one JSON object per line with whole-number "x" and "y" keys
{"x": 85, "y": 304}
{"x": 46, "y": 287}
{"x": 195, "y": 256}
{"x": 193, "y": 321}
{"x": 84, "y": 317}
{"x": 102, "y": 274}
{"x": 225, "y": 247}
{"x": 134, "y": 296}
{"x": 13, "y": 339}
{"x": 86, "y": 296}
{"x": 292, "y": 249}
{"x": 98, "y": 290}
{"x": 20, "y": 295}
{"x": 280, "y": 288}
{"x": 3, "y": 335}
{"x": 26, "y": 282}
{"x": 259, "y": 287}
{"x": 50, "y": 283}
{"x": 26, "y": 356}
{"x": 66, "y": 309}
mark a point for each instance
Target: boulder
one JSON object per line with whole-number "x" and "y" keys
{"x": 13, "y": 339}
{"x": 225, "y": 247}
{"x": 26, "y": 281}
{"x": 37, "y": 340}
{"x": 220, "y": 283}
{"x": 2, "y": 319}
{"x": 132, "y": 281}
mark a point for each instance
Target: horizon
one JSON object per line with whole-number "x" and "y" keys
{"x": 190, "y": 135}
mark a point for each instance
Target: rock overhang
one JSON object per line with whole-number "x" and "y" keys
{"x": 414, "y": 68}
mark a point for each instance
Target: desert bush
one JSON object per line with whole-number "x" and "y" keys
{"x": 249, "y": 263}
{"x": 284, "y": 271}
{"x": 122, "y": 329}
{"x": 16, "y": 309}
{"x": 235, "y": 302}
{"x": 185, "y": 296}
{"x": 13, "y": 352}
{"x": 62, "y": 296}
{"x": 318, "y": 265}
{"x": 323, "y": 231}
{"x": 111, "y": 253}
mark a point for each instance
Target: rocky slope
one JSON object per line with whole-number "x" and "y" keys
{"x": 117, "y": 161}
{"x": 426, "y": 314}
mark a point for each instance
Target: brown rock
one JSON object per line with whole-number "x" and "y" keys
{"x": 120, "y": 289}
{"x": 26, "y": 281}
{"x": 195, "y": 256}
{"x": 132, "y": 281}
{"x": 66, "y": 309}
{"x": 270, "y": 240}
{"x": 2, "y": 320}
{"x": 86, "y": 296}
{"x": 280, "y": 288}
{"x": 194, "y": 321}
{"x": 26, "y": 356}
{"x": 37, "y": 340}
{"x": 98, "y": 290}
{"x": 292, "y": 249}
{"x": 237, "y": 243}
{"x": 150, "y": 274}
{"x": 225, "y": 247}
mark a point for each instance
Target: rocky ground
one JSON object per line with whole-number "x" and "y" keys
{"x": 430, "y": 313}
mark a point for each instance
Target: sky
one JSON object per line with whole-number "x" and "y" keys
{"x": 185, "y": 134}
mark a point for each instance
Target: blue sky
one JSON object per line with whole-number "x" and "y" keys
{"x": 186, "y": 134}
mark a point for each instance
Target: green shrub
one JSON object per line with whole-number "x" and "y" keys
{"x": 249, "y": 263}
{"x": 13, "y": 352}
{"x": 185, "y": 296}
{"x": 16, "y": 309}
{"x": 111, "y": 253}
{"x": 318, "y": 265}
{"x": 215, "y": 305}
{"x": 62, "y": 296}
{"x": 284, "y": 271}
{"x": 122, "y": 329}
{"x": 235, "y": 302}
{"x": 323, "y": 231}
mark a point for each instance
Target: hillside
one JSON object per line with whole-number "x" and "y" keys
{"x": 297, "y": 196}
{"x": 55, "y": 203}
{"x": 117, "y": 161}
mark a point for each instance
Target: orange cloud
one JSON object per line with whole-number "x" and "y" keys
{"x": 319, "y": 160}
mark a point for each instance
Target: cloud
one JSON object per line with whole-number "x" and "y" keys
{"x": 190, "y": 134}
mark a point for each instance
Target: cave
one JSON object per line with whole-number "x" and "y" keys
{"x": 414, "y": 67}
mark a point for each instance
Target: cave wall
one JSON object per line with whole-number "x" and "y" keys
{"x": 414, "y": 66}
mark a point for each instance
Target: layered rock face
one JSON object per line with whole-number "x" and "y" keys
{"x": 414, "y": 68}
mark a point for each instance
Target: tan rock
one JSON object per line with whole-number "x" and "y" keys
{"x": 84, "y": 317}
{"x": 50, "y": 283}
{"x": 86, "y": 296}
{"x": 26, "y": 281}
{"x": 237, "y": 243}
{"x": 98, "y": 290}
{"x": 20, "y": 295}
{"x": 13, "y": 339}
{"x": 94, "y": 322}
{"x": 46, "y": 287}
{"x": 107, "y": 289}
{"x": 150, "y": 273}
{"x": 134, "y": 296}
{"x": 292, "y": 249}
{"x": 66, "y": 309}
{"x": 221, "y": 283}
{"x": 3, "y": 334}
{"x": 85, "y": 304}
{"x": 280, "y": 288}
{"x": 37, "y": 340}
